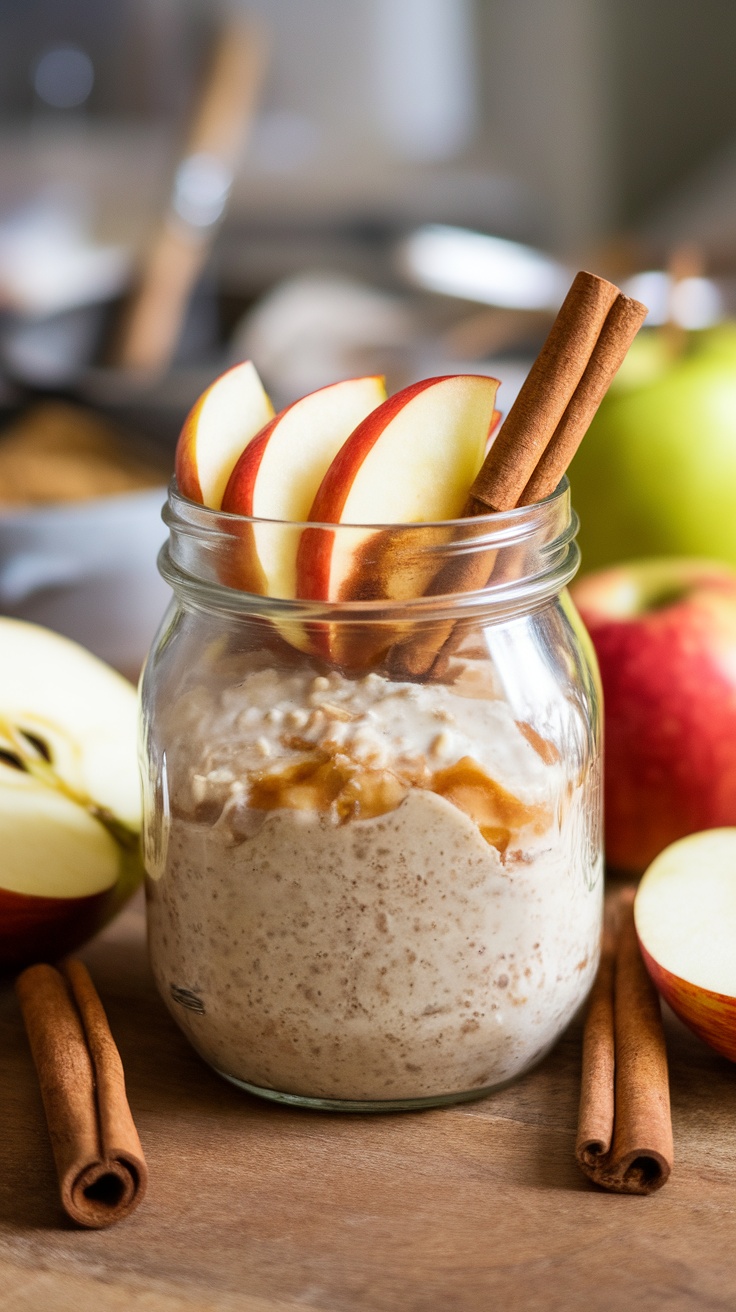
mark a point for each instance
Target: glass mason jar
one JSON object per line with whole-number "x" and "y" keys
{"x": 372, "y": 826}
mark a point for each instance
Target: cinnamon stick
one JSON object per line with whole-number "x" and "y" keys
{"x": 541, "y": 433}
{"x": 99, "y": 1160}
{"x": 624, "y": 1141}
{"x": 544, "y": 396}
{"x": 622, "y": 323}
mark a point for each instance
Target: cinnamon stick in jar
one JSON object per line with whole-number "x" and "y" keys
{"x": 538, "y": 439}
{"x": 99, "y": 1160}
{"x": 544, "y": 395}
{"x": 624, "y": 1141}
{"x": 622, "y": 323}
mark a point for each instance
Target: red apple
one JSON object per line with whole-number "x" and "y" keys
{"x": 665, "y": 635}
{"x": 70, "y": 808}
{"x": 685, "y": 914}
{"x": 217, "y": 428}
{"x": 412, "y": 460}
{"x": 278, "y": 474}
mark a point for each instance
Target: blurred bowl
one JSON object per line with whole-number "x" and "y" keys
{"x": 87, "y": 569}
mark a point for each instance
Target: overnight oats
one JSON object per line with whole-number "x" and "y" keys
{"x": 371, "y": 730}
{"x": 370, "y": 889}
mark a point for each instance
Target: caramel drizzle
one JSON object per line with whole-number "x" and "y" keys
{"x": 326, "y": 782}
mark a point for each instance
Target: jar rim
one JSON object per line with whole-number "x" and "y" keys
{"x": 197, "y": 532}
{"x": 517, "y": 516}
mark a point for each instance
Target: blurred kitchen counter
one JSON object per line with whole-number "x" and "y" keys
{"x": 259, "y": 1208}
{"x": 123, "y": 169}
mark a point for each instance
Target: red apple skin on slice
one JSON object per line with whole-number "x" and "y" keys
{"x": 278, "y": 474}
{"x": 685, "y": 917}
{"x": 46, "y": 928}
{"x": 710, "y": 1015}
{"x": 220, "y": 424}
{"x": 412, "y": 460}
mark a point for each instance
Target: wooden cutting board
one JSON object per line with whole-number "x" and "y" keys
{"x": 264, "y": 1209}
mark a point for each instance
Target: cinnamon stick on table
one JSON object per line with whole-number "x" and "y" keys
{"x": 99, "y": 1160}
{"x": 624, "y": 1141}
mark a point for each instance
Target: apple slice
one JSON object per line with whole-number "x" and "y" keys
{"x": 685, "y": 915}
{"x": 280, "y": 470}
{"x": 70, "y": 807}
{"x": 412, "y": 460}
{"x": 219, "y": 425}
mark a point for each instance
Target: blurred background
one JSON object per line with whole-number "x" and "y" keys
{"x": 312, "y": 185}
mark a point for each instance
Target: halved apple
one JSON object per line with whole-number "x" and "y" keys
{"x": 685, "y": 915}
{"x": 219, "y": 425}
{"x": 280, "y": 470}
{"x": 70, "y": 809}
{"x": 412, "y": 460}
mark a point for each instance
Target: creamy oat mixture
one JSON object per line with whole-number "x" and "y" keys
{"x": 369, "y": 889}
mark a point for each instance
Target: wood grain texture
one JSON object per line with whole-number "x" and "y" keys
{"x": 253, "y": 1208}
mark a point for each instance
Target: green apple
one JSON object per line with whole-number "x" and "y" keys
{"x": 656, "y": 474}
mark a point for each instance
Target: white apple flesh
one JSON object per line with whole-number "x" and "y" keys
{"x": 685, "y": 915}
{"x": 277, "y": 476}
{"x": 219, "y": 425}
{"x": 70, "y": 809}
{"x": 412, "y": 460}
{"x": 32, "y": 815}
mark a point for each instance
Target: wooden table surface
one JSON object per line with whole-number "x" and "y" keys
{"x": 264, "y": 1209}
